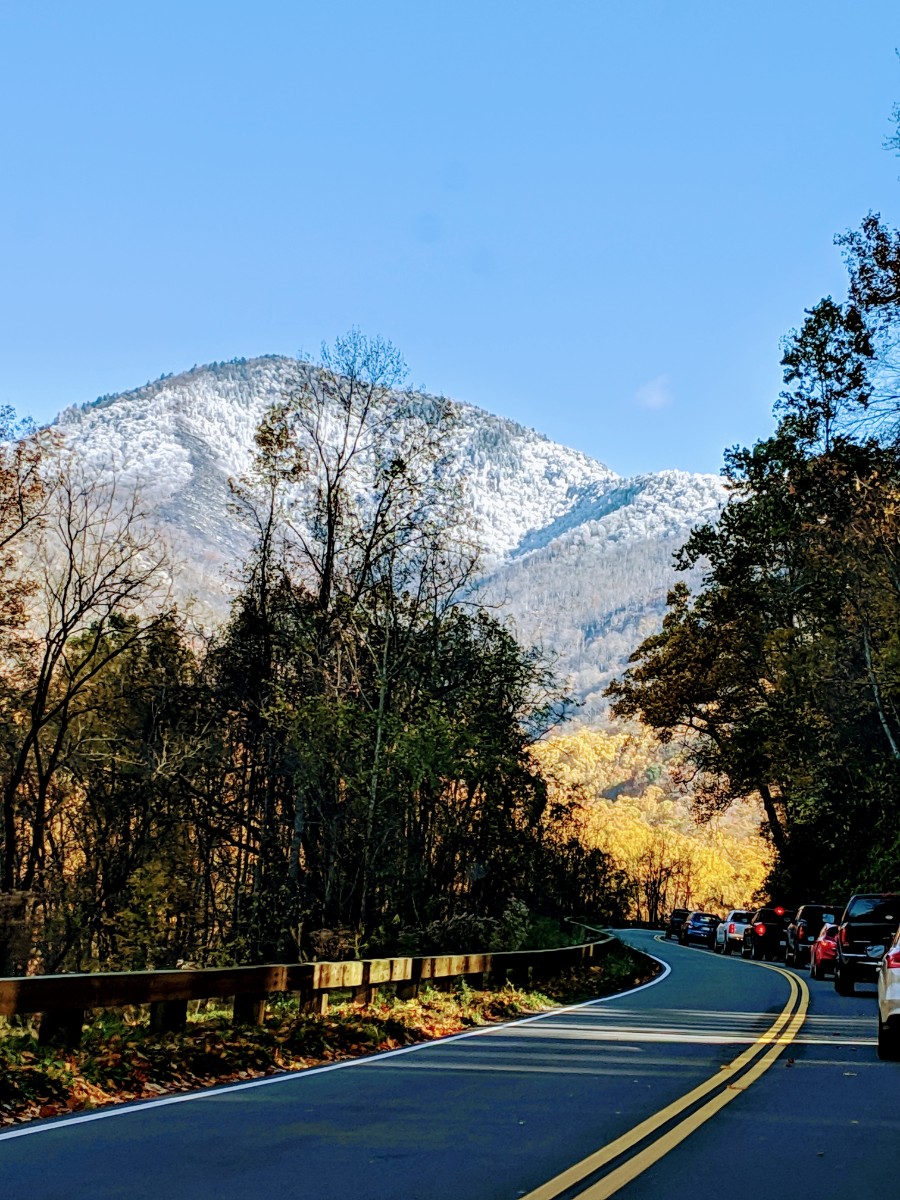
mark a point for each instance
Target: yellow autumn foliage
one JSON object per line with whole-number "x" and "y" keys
{"x": 631, "y": 804}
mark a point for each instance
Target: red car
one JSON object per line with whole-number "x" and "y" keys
{"x": 823, "y": 952}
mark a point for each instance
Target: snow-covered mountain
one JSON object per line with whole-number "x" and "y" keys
{"x": 578, "y": 558}
{"x": 590, "y": 586}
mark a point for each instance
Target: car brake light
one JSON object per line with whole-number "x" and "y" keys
{"x": 779, "y": 912}
{"x": 801, "y": 933}
{"x": 731, "y": 926}
{"x": 759, "y": 929}
{"x": 892, "y": 959}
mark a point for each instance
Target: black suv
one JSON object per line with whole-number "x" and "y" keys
{"x": 805, "y": 928}
{"x": 676, "y": 920}
{"x": 866, "y": 930}
{"x": 765, "y": 936}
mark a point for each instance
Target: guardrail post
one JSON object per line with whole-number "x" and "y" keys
{"x": 499, "y": 971}
{"x": 317, "y": 1005}
{"x": 362, "y": 995}
{"x": 408, "y": 989}
{"x": 168, "y": 1016}
{"x": 511, "y": 967}
{"x": 249, "y": 1010}
{"x": 61, "y": 1028}
{"x": 476, "y": 966}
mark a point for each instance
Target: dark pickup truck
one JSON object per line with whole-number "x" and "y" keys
{"x": 675, "y": 922}
{"x": 866, "y": 929}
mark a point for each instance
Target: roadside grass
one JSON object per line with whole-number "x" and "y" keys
{"x": 121, "y": 1060}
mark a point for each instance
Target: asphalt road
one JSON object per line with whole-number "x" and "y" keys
{"x": 715, "y": 1081}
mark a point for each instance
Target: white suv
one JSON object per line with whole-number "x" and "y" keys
{"x": 730, "y": 934}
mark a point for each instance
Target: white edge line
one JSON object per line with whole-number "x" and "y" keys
{"x": 123, "y": 1110}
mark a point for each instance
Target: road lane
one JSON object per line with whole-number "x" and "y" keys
{"x": 608, "y": 1170}
{"x": 496, "y": 1115}
{"x": 824, "y": 1124}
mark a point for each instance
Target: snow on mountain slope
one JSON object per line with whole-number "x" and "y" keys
{"x": 182, "y": 437}
{"x": 579, "y": 558}
{"x": 593, "y": 585}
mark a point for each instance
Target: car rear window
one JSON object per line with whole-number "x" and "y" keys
{"x": 740, "y": 916}
{"x": 876, "y": 908}
{"x": 820, "y": 914}
{"x": 703, "y": 919}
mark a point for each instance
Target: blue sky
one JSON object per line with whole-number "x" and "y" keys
{"x": 595, "y": 218}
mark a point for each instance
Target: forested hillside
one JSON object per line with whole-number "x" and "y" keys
{"x": 341, "y": 766}
{"x": 356, "y": 756}
{"x": 634, "y": 803}
{"x": 592, "y": 585}
{"x": 578, "y": 558}
{"x": 779, "y": 675}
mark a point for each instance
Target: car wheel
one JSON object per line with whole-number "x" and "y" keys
{"x": 790, "y": 958}
{"x": 726, "y": 947}
{"x": 844, "y": 984}
{"x": 813, "y": 970}
{"x": 745, "y": 950}
{"x": 888, "y": 1042}
{"x": 756, "y": 951}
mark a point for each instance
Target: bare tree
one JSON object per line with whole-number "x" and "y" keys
{"x": 377, "y": 526}
{"x": 352, "y": 502}
{"x": 98, "y": 580}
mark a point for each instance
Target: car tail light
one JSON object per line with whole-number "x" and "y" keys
{"x": 759, "y": 929}
{"x": 801, "y": 933}
{"x": 845, "y": 936}
{"x": 779, "y": 911}
{"x": 892, "y": 959}
{"x": 731, "y": 926}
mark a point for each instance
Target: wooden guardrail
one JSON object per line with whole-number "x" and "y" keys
{"x": 64, "y": 1000}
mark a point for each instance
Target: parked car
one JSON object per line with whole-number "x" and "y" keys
{"x": 765, "y": 936}
{"x": 730, "y": 934}
{"x": 823, "y": 952}
{"x": 675, "y": 922}
{"x": 699, "y": 927}
{"x": 805, "y": 927}
{"x": 889, "y": 1001}
{"x": 867, "y": 928}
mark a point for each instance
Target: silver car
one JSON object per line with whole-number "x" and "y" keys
{"x": 889, "y": 1001}
{"x": 730, "y": 934}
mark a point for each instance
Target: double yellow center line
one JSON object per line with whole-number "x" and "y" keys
{"x": 722, "y": 1088}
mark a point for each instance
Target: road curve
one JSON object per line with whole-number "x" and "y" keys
{"x": 714, "y": 1077}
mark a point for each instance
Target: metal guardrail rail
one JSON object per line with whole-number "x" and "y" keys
{"x": 64, "y": 1000}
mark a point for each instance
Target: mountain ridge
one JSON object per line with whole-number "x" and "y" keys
{"x": 578, "y": 557}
